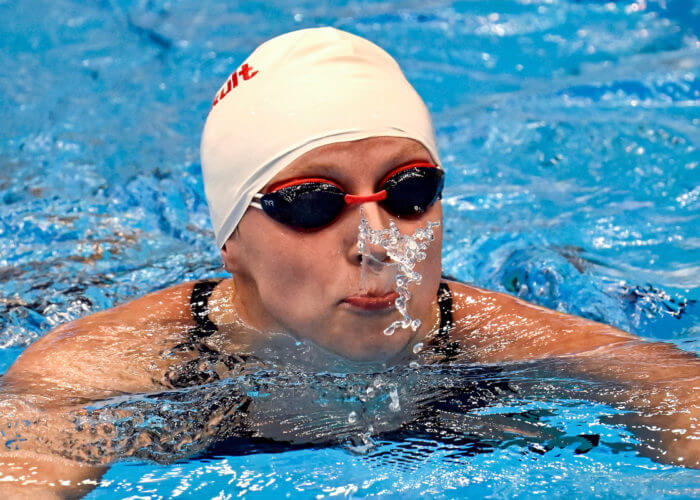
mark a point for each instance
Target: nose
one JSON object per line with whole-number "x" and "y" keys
{"x": 377, "y": 219}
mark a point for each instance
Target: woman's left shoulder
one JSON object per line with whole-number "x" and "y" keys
{"x": 462, "y": 291}
{"x": 472, "y": 305}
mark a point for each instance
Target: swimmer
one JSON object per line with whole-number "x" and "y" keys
{"x": 313, "y": 145}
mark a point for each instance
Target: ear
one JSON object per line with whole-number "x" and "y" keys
{"x": 230, "y": 255}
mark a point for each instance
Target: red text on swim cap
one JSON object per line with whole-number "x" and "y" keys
{"x": 246, "y": 72}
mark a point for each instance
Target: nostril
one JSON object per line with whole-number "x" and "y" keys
{"x": 375, "y": 258}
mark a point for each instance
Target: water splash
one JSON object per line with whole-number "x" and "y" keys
{"x": 404, "y": 252}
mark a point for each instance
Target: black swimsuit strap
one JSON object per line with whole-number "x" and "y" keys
{"x": 441, "y": 341}
{"x": 206, "y": 366}
{"x": 445, "y": 304}
{"x": 199, "y": 301}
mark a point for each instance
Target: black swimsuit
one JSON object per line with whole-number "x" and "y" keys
{"x": 207, "y": 364}
{"x": 199, "y": 301}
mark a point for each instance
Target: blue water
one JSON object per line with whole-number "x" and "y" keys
{"x": 569, "y": 132}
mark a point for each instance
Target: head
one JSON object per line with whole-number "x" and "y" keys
{"x": 326, "y": 105}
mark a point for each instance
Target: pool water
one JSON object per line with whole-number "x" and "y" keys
{"x": 569, "y": 133}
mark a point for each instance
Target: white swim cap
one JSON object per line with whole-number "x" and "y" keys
{"x": 294, "y": 93}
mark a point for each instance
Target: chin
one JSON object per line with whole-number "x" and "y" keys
{"x": 380, "y": 350}
{"x": 362, "y": 339}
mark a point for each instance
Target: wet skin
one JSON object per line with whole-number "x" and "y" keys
{"x": 289, "y": 287}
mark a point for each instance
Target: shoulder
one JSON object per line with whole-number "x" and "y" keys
{"x": 119, "y": 349}
{"x": 500, "y": 327}
{"x": 479, "y": 304}
{"x": 469, "y": 301}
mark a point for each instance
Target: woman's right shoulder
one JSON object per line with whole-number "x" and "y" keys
{"x": 133, "y": 333}
{"x": 168, "y": 303}
{"x": 157, "y": 311}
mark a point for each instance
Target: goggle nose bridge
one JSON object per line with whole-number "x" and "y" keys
{"x": 354, "y": 199}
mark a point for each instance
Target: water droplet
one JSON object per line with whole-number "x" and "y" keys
{"x": 394, "y": 396}
{"x": 352, "y": 418}
{"x": 418, "y": 348}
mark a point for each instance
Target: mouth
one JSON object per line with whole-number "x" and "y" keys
{"x": 372, "y": 302}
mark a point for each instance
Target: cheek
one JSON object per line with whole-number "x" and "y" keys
{"x": 286, "y": 264}
{"x": 294, "y": 273}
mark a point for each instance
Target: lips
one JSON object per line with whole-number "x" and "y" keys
{"x": 372, "y": 302}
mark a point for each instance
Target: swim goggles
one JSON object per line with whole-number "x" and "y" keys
{"x": 311, "y": 203}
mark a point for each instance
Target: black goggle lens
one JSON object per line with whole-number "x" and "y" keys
{"x": 307, "y": 206}
{"x": 313, "y": 205}
{"x": 412, "y": 191}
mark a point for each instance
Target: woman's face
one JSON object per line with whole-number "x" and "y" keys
{"x": 309, "y": 283}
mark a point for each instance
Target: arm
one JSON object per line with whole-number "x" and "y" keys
{"x": 659, "y": 382}
{"x": 34, "y": 438}
{"x": 43, "y": 453}
{"x": 36, "y": 476}
{"x": 45, "y": 391}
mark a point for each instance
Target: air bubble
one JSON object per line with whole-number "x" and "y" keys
{"x": 405, "y": 251}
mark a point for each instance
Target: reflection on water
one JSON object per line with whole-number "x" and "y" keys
{"x": 464, "y": 408}
{"x": 286, "y": 407}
